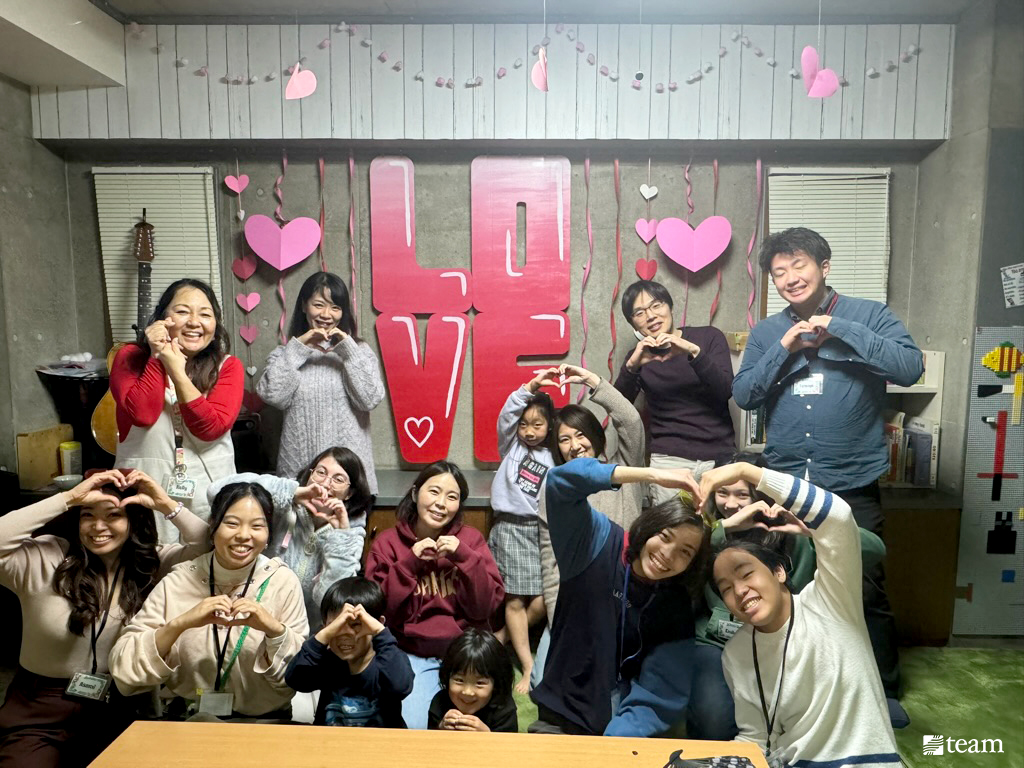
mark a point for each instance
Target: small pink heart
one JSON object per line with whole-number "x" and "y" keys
{"x": 694, "y": 249}
{"x": 249, "y": 332}
{"x": 539, "y": 74}
{"x": 236, "y": 183}
{"x": 248, "y": 302}
{"x": 646, "y": 269}
{"x": 301, "y": 84}
{"x": 646, "y": 229}
{"x": 502, "y": 72}
{"x": 282, "y": 247}
{"x": 244, "y": 267}
{"x": 820, "y": 83}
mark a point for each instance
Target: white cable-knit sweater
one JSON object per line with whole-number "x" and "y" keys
{"x": 326, "y": 398}
{"x": 832, "y": 710}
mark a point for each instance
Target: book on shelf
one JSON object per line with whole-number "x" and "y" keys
{"x": 926, "y": 450}
{"x": 913, "y": 448}
{"x": 894, "y": 446}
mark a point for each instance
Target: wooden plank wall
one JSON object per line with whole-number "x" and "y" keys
{"x": 712, "y": 82}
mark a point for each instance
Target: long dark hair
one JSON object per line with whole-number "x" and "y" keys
{"x": 670, "y": 514}
{"x": 481, "y": 653}
{"x": 333, "y": 289}
{"x": 405, "y": 512}
{"x": 204, "y": 367}
{"x": 577, "y": 417}
{"x": 81, "y": 576}
{"x": 361, "y": 501}
{"x": 234, "y": 492}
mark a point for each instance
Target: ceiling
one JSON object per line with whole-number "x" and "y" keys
{"x": 577, "y": 11}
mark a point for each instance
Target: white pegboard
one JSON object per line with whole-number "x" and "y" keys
{"x": 990, "y": 567}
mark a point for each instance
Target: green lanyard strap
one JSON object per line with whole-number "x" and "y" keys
{"x": 222, "y": 678}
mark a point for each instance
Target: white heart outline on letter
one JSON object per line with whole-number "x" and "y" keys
{"x": 417, "y": 422}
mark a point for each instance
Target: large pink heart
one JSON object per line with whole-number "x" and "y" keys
{"x": 282, "y": 247}
{"x": 236, "y": 184}
{"x": 646, "y": 229}
{"x": 694, "y": 249}
{"x": 244, "y": 266}
{"x": 248, "y": 303}
{"x": 539, "y": 73}
{"x": 249, "y": 332}
{"x": 301, "y": 84}
{"x": 820, "y": 83}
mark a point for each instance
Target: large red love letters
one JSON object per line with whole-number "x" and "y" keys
{"x": 520, "y": 307}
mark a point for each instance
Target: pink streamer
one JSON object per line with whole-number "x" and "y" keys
{"x": 714, "y": 211}
{"x": 689, "y": 210}
{"x": 352, "y": 230}
{"x": 284, "y": 309}
{"x": 750, "y": 248}
{"x": 278, "y": 192}
{"x": 323, "y": 216}
{"x": 586, "y": 274}
{"x": 618, "y": 255}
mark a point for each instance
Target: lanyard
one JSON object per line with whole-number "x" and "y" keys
{"x": 622, "y": 617}
{"x": 179, "y": 439}
{"x": 770, "y": 724}
{"x": 222, "y": 650}
{"x": 106, "y": 614}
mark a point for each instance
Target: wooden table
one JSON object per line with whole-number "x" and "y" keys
{"x": 227, "y": 745}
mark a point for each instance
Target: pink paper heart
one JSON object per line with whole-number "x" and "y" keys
{"x": 248, "y": 302}
{"x": 249, "y": 332}
{"x": 646, "y": 269}
{"x": 301, "y": 84}
{"x": 282, "y": 247}
{"x": 244, "y": 266}
{"x": 236, "y": 183}
{"x": 694, "y": 249}
{"x": 539, "y": 73}
{"x": 646, "y": 229}
{"x": 820, "y": 83}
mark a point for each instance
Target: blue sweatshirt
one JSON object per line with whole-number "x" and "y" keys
{"x": 644, "y": 662}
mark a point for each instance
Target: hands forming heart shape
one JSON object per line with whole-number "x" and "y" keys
{"x": 324, "y": 340}
{"x": 148, "y": 492}
{"x": 431, "y": 549}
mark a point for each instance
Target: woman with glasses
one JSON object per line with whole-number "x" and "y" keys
{"x": 319, "y": 521}
{"x": 686, "y": 377}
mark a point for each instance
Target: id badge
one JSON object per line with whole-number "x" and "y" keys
{"x": 809, "y": 385}
{"x": 180, "y": 487}
{"x": 87, "y": 686}
{"x": 217, "y": 703}
{"x": 727, "y": 628}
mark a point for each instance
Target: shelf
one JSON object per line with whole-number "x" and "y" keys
{"x": 893, "y": 389}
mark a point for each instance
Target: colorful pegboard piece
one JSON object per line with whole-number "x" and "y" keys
{"x": 1009, "y": 577}
{"x": 1003, "y": 360}
{"x": 999, "y": 456}
{"x": 1002, "y": 539}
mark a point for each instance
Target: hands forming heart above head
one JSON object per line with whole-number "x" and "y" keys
{"x": 148, "y": 492}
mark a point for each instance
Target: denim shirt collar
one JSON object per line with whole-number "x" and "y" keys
{"x": 821, "y": 310}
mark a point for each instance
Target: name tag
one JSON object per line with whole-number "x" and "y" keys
{"x": 180, "y": 487}
{"x": 809, "y": 385}
{"x": 86, "y": 686}
{"x": 727, "y": 628}
{"x": 217, "y": 703}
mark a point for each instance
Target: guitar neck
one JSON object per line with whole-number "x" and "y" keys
{"x": 145, "y": 291}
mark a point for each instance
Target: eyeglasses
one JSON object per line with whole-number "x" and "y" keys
{"x": 654, "y": 307}
{"x": 337, "y": 481}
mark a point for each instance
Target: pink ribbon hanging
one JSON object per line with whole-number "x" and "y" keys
{"x": 279, "y": 194}
{"x": 618, "y": 256}
{"x": 689, "y": 211}
{"x": 714, "y": 211}
{"x": 354, "y": 292}
{"x": 586, "y": 274}
{"x": 750, "y": 248}
{"x": 323, "y": 217}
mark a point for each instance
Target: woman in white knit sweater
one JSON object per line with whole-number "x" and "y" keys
{"x": 801, "y": 669}
{"x": 325, "y": 379}
{"x": 77, "y": 590}
{"x": 246, "y": 606}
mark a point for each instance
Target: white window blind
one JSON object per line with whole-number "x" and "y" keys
{"x": 179, "y": 203}
{"x": 849, "y": 207}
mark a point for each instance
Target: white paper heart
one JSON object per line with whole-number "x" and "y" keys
{"x": 240, "y": 215}
{"x": 648, "y": 192}
{"x": 251, "y": 370}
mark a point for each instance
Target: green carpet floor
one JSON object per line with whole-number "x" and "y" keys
{"x": 956, "y": 693}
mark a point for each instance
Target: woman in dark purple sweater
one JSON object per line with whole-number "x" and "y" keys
{"x": 686, "y": 377}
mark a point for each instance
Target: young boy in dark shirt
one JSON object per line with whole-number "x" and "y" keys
{"x": 353, "y": 661}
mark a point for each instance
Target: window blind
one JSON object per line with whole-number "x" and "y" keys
{"x": 179, "y": 203}
{"x": 850, "y": 209}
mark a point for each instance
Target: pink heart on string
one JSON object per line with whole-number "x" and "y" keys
{"x": 646, "y": 269}
{"x": 301, "y": 84}
{"x": 244, "y": 266}
{"x": 248, "y": 302}
{"x": 249, "y": 332}
{"x": 820, "y": 83}
{"x": 694, "y": 249}
{"x": 539, "y": 73}
{"x": 646, "y": 229}
{"x": 236, "y": 183}
{"x": 282, "y": 247}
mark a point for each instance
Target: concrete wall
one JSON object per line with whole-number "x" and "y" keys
{"x": 38, "y": 302}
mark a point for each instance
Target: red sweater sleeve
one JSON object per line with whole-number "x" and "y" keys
{"x": 211, "y": 416}
{"x": 137, "y": 381}
{"x": 480, "y": 590}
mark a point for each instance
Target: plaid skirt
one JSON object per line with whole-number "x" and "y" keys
{"x": 515, "y": 544}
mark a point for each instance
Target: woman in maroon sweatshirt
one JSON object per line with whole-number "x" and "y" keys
{"x": 438, "y": 578}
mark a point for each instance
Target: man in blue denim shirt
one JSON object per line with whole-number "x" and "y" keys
{"x": 820, "y": 367}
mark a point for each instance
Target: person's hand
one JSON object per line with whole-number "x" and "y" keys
{"x": 335, "y": 336}
{"x": 210, "y": 610}
{"x": 454, "y": 720}
{"x": 172, "y": 357}
{"x": 158, "y": 335}
{"x": 245, "y": 611}
{"x": 677, "y": 345}
{"x": 148, "y": 492}
{"x": 307, "y": 494}
{"x": 314, "y": 337}
{"x": 90, "y": 490}
{"x": 368, "y": 625}
{"x": 727, "y": 474}
{"x": 803, "y": 335}
{"x": 678, "y": 478}
{"x": 750, "y": 516}
{"x": 574, "y": 374}
{"x": 330, "y": 511}
{"x": 546, "y": 378}
{"x": 425, "y": 549}
{"x": 446, "y": 546}
{"x": 778, "y": 518}
{"x": 820, "y": 325}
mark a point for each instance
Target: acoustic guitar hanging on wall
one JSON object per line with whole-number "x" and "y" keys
{"x": 104, "y": 417}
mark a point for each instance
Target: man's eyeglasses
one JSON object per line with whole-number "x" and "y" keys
{"x": 337, "y": 481}
{"x": 655, "y": 307}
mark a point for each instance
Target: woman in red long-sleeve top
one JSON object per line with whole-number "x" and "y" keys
{"x": 178, "y": 393}
{"x": 438, "y": 578}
